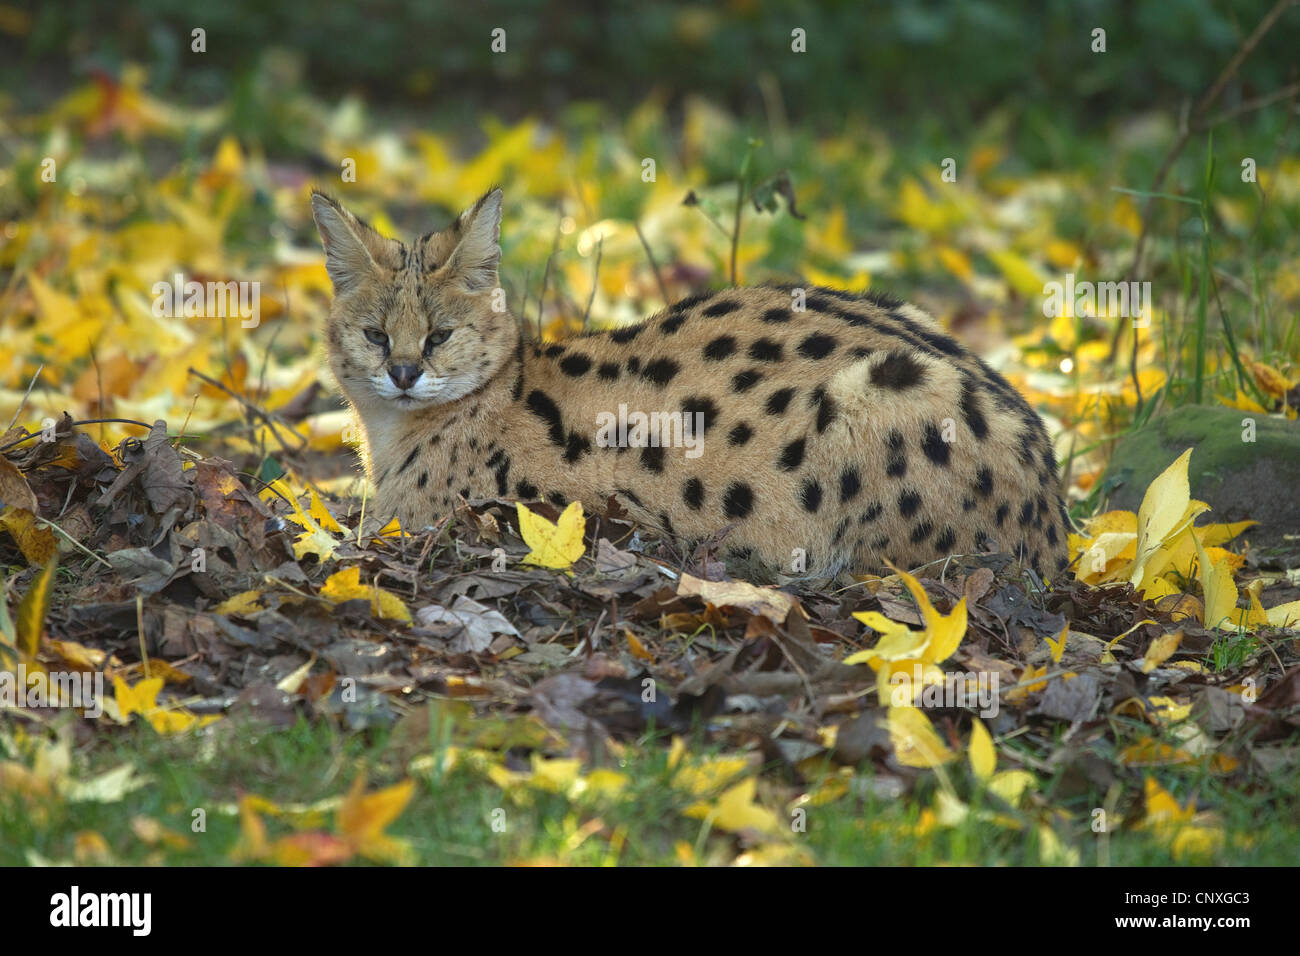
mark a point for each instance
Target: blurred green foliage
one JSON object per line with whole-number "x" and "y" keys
{"x": 944, "y": 62}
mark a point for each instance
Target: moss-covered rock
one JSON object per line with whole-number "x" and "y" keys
{"x": 1239, "y": 479}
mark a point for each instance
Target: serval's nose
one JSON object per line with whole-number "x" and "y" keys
{"x": 404, "y": 376}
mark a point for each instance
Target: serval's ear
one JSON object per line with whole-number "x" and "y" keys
{"x": 475, "y": 259}
{"x": 351, "y": 246}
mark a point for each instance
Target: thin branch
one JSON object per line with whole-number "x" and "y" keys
{"x": 23, "y": 404}
{"x": 257, "y": 412}
{"x": 83, "y": 421}
{"x": 659, "y": 279}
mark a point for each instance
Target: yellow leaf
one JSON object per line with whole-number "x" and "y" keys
{"x": 362, "y": 819}
{"x": 35, "y": 540}
{"x": 242, "y": 604}
{"x": 1020, "y": 274}
{"x": 553, "y": 545}
{"x": 143, "y": 697}
{"x": 31, "y": 612}
{"x": 1284, "y": 615}
{"x": 1217, "y": 587}
{"x": 636, "y": 647}
{"x": 322, "y": 515}
{"x": 1160, "y": 650}
{"x": 346, "y": 585}
{"x": 983, "y": 756}
{"x": 1057, "y": 644}
{"x": 1010, "y": 785}
{"x": 1243, "y": 402}
{"x": 916, "y": 744}
{"x": 736, "y": 810}
{"x": 1270, "y": 379}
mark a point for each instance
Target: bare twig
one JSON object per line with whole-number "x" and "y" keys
{"x": 659, "y": 279}
{"x": 253, "y": 409}
{"x": 546, "y": 276}
{"x": 84, "y": 421}
{"x": 23, "y": 404}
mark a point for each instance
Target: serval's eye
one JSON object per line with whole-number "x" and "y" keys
{"x": 434, "y": 340}
{"x": 377, "y": 337}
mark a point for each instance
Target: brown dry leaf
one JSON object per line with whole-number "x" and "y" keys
{"x": 770, "y": 603}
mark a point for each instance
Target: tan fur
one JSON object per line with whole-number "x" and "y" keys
{"x": 912, "y": 448}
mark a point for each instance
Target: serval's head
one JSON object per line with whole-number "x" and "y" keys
{"x": 419, "y": 325}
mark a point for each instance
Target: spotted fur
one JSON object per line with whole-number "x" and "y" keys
{"x": 848, "y": 429}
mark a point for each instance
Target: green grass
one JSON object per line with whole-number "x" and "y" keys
{"x": 449, "y": 821}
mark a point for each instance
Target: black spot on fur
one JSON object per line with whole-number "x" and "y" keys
{"x": 502, "y": 476}
{"x": 972, "y": 412}
{"x": 872, "y": 513}
{"x": 1026, "y": 452}
{"x": 908, "y": 503}
{"x": 968, "y": 504}
{"x": 921, "y": 532}
{"x": 624, "y": 335}
{"x": 652, "y": 459}
{"x": 1003, "y": 511}
{"x": 667, "y": 523}
{"x": 671, "y": 324}
{"x": 738, "y": 500}
{"x": 984, "y": 481}
{"x": 1051, "y": 534}
{"x": 947, "y": 538}
{"x": 541, "y": 405}
{"x": 526, "y": 489}
{"x": 817, "y": 346}
{"x": 633, "y": 365}
{"x": 422, "y": 480}
{"x": 554, "y": 351}
{"x": 576, "y": 446}
{"x": 744, "y": 381}
{"x": 739, "y": 435}
{"x": 850, "y": 484}
{"x": 778, "y": 401}
{"x": 935, "y": 448}
{"x": 608, "y": 371}
{"x": 575, "y": 366}
{"x": 698, "y": 404}
{"x": 719, "y": 348}
{"x": 897, "y": 371}
{"x": 825, "y": 414}
{"x": 896, "y": 463}
{"x": 1026, "y": 513}
{"x": 841, "y": 530}
{"x": 557, "y": 499}
{"x": 630, "y": 495}
{"x": 810, "y": 495}
{"x": 661, "y": 371}
{"x": 721, "y": 308}
{"x": 777, "y": 315}
{"x": 690, "y": 302}
{"x": 791, "y": 456}
{"x": 765, "y": 350}
{"x": 693, "y": 493}
{"x": 409, "y": 458}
